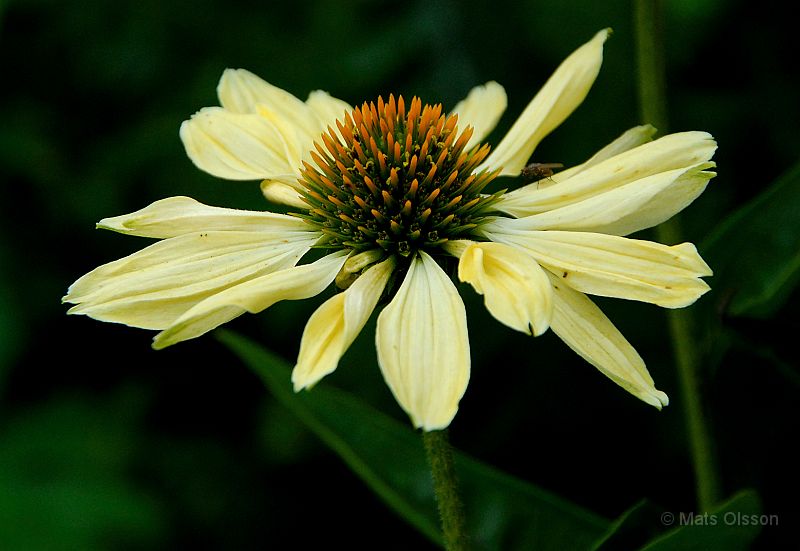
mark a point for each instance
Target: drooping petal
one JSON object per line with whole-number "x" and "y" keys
{"x": 481, "y": 109}
{"x": 283, "y": 191}
{"x": 252, "y": 296}
{"x": 640, "y": 204}
{"x": 684, "y": 150}
{"x": 153, "y": 287}
{"x": 558, "y": 98}
{"x": 587, "y": 331}
{"x": 334, "y": 326}
{"x": 613, "y": 266}
{"x": 516, "y": 290}
{"x": 456, "y": 247}
{"x": 423, "y": 346}
{"x": 180, "y": 215}
{"x": 235, "y": 146}
{"x": 356, "y": 263}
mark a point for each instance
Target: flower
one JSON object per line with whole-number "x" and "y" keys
{"x": 392, "y": 191}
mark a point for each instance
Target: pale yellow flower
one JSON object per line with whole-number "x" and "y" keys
{"x": 391, "y": 191}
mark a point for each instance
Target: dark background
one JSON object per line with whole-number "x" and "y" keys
{"x": 106, "y": 444}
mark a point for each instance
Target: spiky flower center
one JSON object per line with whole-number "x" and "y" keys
{"x": 395, "y": 179}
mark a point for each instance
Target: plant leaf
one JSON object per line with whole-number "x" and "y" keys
{"x": 502, "y": 511}
{"x": 636, "y": 525}
{"x": 755, "y": 252}
{"x": 732, "y": 525}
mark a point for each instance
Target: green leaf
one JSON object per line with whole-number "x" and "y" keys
{"x": 636, "y": 525}
{"x": 502, "y": 511}
{"x": 755, "y": 252}
{"x": 731, "y": 526}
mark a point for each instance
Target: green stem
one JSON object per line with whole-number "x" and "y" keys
{"x": 445, "y": 486}
{"x": 653, "y": 109}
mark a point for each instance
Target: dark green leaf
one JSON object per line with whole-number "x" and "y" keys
{"x": 755, "y": 252}
{"x": 731, "y": 526}
{"x": 503, "y": 512}
{"x": 636, "y": 525}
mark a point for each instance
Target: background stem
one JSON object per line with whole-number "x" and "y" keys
{"x": 653, "y": 110}
{"x": 445, "y": 485}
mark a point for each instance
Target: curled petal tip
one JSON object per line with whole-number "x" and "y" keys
{"x": 298, "y": 385}
{"x": 657, "y": 399}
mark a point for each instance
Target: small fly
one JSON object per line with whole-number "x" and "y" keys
{"x": 538, "y": 171}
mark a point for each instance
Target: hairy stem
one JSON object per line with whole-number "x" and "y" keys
{"x": 445, "y": 486}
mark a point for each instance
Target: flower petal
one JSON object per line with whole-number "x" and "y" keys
{"x": 423, "y": 346}
{"x": 481, "y": 110}
{"x": 179, "y": 215}
{"x": 684, "y": 150}
{"x": 240, "y": 91}
{"x": 298, "y": 132}
{"x": 334, "y": 326}
{"x": 631, "y": 138}
{"x": 641, "y": 204}
{"x": 587, "y": 331}
{"x": 153, "y": 287}
{"x": 517, "y": 290}
{"x": 283, "y": 192}
{"x": 298, "y": 123}
{"x": 235, "y": 146}
{"x": 253, "y": 296}
{"x": 612, "y": 266}
{"x": 557, "y": 99}
{"x": 327, "y": 108}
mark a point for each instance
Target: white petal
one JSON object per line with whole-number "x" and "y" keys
{"x": 298, "y": 133}
{"x": 456, "y": 247}
{"x": 240, "y": 91}
{"x": 355, "y": 265}
{"x": 283, "y": 191}
{"x": 334, "y": 326}
{"x": 179, "y": 215}
{"x": 235, "y": 146}
{"x": 587, "y": 331}
{"x": 517, "y": 290}
{"x": 558, "y": 98}
{"x": 298, "y": 123}
{"x": 481, "y": 109}
{"x": 327, "y": 108}
{"x": 155, "y": 286}
{"x": 633, "y": 137}
{"x": 252, "y": 296}
{"x": 612, "y": 266}
{"x": 423, "y": 346}
{"x": 683, "y": 150}
{"x": 635, "y": 206}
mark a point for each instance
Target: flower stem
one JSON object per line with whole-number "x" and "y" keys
{"x": 653, "y": 109}
{"x": 445, "y": 486}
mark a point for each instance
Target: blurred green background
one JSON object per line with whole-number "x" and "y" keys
{"x": 106, "y": 444}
